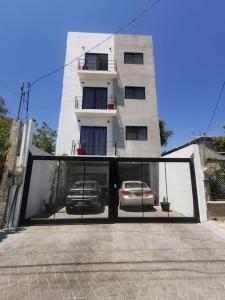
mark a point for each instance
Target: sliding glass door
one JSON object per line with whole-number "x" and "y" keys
{"x": 94, "y": 140}
{"x": 94, "y": 98}
{"x": 96, "y": 61}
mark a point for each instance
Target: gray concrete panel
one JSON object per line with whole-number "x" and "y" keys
{"x": 133, "y": 112}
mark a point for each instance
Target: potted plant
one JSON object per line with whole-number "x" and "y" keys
{"x": 48, "y": 207}
{"x": 165, "y": 205}
{"x": 80, "y": 149}
{"x": 85, "y": 66}
{"x": 110, "y": 106}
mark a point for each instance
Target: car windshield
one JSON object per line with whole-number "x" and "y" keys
{"x": 84, "y": 185}
{"x": 135, "y": 184}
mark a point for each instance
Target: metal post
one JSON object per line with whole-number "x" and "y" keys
{"x": 115, "y": 148}
{"x": 142, "y": 191}
{"x": 21, "y": 99}
{"x": 28, "y": 99}
{"x": 57, "y": 186}
{"x": 166, "y": 187}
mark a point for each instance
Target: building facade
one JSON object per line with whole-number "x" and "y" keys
{"x": 109, "y": 104}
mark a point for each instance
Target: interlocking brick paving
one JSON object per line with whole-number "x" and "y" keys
{"x": 113, "y": 261}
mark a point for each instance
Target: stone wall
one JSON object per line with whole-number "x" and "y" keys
{"x": 8, "y": 169}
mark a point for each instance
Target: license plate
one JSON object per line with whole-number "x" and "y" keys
{"x": 138, "y": 193}
{"x": 80, "y": 202}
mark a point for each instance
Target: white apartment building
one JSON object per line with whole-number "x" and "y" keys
{"x": 109, "y": 104}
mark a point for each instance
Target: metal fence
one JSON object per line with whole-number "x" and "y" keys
{"x": 216, "y": 180}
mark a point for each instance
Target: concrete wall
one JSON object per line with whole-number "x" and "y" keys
{"x": 133, "y": 112}
{"x": 175, "y": 183}
{"x": 193, "y": 151}
{"x": 16, "y": 189}
{"x": 7, "y": 178}
{"x": 40, "y": 184}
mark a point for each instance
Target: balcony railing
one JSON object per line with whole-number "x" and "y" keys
{"x": 106, "y": 104}
{"x": 93, "y": 65}
{"x": 107, "y": 149}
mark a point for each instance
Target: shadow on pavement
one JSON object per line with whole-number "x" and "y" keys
{"x": 4, "y": 233}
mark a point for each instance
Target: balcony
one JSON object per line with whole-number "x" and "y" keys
{"x": 104, "y": 107}
{"x": 104, "y": 148}
{"x": 97, "y": 69}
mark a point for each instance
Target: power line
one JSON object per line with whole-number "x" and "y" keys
{"x": 24, "y": 101}
{"x": 9, "y": 89}
{"x": 216, "y": 106}
{"x": 145, "y": 11}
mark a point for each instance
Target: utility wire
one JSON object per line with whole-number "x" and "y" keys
{"x": 145, "y": 11}
{"x": 9, "y": 89}
{"x": 215, "y": 109}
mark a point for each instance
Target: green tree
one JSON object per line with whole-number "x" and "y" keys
{"x": 5, "y": 127}
{"x": 219, "y": 143}
{"x": 3, "y": 109}
{"x": 45, "y": 138}
{"x": 165, "y": 134}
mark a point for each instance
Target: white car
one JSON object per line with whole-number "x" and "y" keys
{"x": 135, "y": 193}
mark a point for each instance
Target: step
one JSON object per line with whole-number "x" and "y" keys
{"x": 216, "y": 208}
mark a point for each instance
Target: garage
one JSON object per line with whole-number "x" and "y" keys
{"x": 106, "y": 189}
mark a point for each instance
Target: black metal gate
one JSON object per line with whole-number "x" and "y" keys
{"x": 61, "y": 189}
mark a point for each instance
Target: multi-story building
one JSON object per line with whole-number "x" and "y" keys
{"x": 109, "y": 102}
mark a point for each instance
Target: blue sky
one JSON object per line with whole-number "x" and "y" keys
{"x": 189, "y": 51}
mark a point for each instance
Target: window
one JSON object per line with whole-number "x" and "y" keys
{"x": 133, "y": 58}
{"x": 132, "y": 92}
{"x": 96, "y": 61}
{"x": 101, "y": 178}
{"x": 94, "y": 140}
{"x": 136, "y": 133}
{"x": 94, "y": 98}
{"x": 135, "y": 185}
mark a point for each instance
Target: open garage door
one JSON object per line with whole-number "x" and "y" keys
{"x": 74, "y": 189}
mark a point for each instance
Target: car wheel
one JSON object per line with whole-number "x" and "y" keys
{"x": 102, "y": 209}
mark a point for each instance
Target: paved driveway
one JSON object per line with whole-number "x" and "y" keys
{"x": 114, "y": 261}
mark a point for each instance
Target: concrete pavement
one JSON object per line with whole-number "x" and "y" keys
{"x": 114, "y": 261}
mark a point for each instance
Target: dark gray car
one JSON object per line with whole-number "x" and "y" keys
{"x": 84, "y": 196}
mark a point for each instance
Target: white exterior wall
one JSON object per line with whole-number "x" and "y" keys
{"x": 187, "y": 152}
{"x": 69, "y": 128}
{"x": 40, "y": 185}
{"x": 179, "y": 189}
